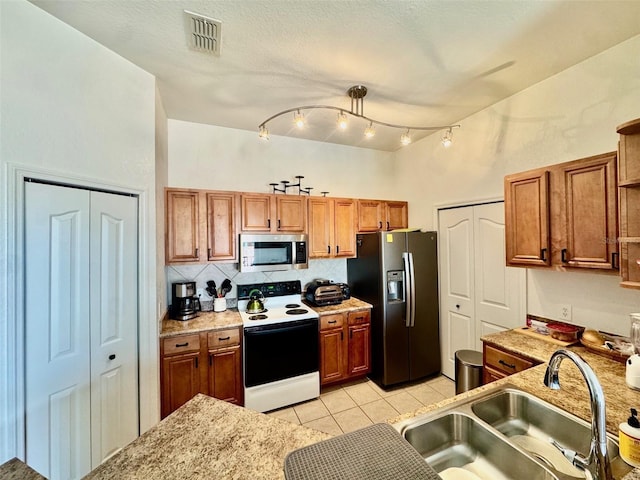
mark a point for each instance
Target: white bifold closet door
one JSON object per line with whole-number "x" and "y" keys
{"x": 81, "y": 327}
{"x": 479, "y": 294}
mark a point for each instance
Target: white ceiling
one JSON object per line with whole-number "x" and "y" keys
{"x": 424, "y": 62}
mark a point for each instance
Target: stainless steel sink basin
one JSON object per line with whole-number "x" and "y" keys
{"x": 457, "y": 441}
{"x": 530, "y": 423}
{"x": 504, "y": 434}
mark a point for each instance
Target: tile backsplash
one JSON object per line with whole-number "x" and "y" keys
{"x": 333, "y": 269}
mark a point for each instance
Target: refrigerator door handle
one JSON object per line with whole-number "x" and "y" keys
{"x": 407, "y": 289}
{"x": 412, "y": 286}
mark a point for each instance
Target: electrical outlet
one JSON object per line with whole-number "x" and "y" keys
{"x": 200, "y": 292}
{"x": 565, "y": 312}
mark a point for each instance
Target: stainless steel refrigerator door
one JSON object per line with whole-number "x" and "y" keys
{"x": 395, "y": 338}
{"x": 424, "y": 335}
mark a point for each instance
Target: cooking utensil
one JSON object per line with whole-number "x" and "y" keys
{"x": 211, "y": 289}
{"x": 225, "y": 287}
{"x": 256, "y": 301}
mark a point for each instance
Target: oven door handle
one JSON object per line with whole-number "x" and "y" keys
{"x": 280, "y": 327}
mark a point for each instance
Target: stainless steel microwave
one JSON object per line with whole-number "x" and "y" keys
{"x": 268, "y": 253}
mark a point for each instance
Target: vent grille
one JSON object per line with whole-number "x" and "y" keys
{"x": 203, "y": 33}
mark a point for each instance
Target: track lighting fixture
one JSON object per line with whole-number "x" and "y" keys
{"x": 342, "y": 121}
{"x": 447, "y": 138}
{"x": 356, "y": 94}
{"x": 298, "y": 119}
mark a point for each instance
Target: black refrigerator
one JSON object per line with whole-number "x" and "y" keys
{"x": 397, "y": 273}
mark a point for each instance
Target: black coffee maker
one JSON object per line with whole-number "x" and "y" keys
{"x": 184, "y": 303}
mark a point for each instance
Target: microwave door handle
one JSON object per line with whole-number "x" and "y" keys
{"x": 412, "y": 284}
{"x": 408, "y": 298}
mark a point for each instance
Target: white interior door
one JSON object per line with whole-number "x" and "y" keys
{"x": 457, "y": 327}
{"x": 81, "y": 308}
{"x": 499, "y": 290}
{"x": 114, "y": 319}
{"x": 58, "y": 431}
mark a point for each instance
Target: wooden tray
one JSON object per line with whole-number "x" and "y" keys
{"x": 604, "y": 351}
{"x": 545, "y": 338}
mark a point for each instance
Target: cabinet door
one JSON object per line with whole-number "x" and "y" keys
{"x": 370, "y": 214}
{"x": 291, "y": 214}
{"x": 320, "y": 217}
{"x": 590, "y": 213}
{"x": 344, "y": 227}
{"x": 332, "y": 355}
{"x": 256, "y": 213}
{"x": 397, "y": 215}
{"x": 180, "y": 381}
{"x": 225, "y": 375}
{"x": 183, "y": 227}
{"x": 359, "y": 349}
{"x": 221, "y": 226}
{"x": 527, "y": 218}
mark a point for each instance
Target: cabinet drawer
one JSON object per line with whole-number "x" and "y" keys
{"x": 181, "y": 344}
{"x": 331, "y": 321}
{"x": 224, "y": 338}
{"x": 505, "y": 362}
{"x": 359, "y": 317}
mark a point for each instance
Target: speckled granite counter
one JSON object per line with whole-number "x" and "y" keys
{"x": 16, "y": 470}
{"x": 209, "y": 439}
{"x": 348, "y": 305}
{"x": 203, "y": 322}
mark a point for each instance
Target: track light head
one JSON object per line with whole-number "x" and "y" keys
{"x": 342, "y": 121}
{"x": 370, "y": 131}
{"x": 298, "y": 119}
{"x": 263, "y": 132}
{"x": 405, "y": 138}
{"x": 447, "y": 138}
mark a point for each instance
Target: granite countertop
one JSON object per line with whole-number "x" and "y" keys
{"x": 348, "y": 305}
{"x": 17, "y": 470}
{"x": 203, "y": 322}
{"x": 208, "y": 438}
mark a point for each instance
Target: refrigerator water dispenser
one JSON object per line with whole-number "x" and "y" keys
{"x": 395, "y": 286}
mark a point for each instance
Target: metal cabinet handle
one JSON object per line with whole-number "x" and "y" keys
{"x": 350, "y": 333}
{"x": 328, "y": 248}
{"x": 222, "y": 339}
{"x": 543, "y": 254}
{"x": 380, "y": 225}
{"x": 508, "y": 365}
{"x": 337, "y": 249}
{"x": 112, "y": 356}
{"x": 332, "y": 321}
{"x": 614, "y": 260}
{"x": 209, "y": 252}
{"x": 268, "y": 223}
{"x": 197, "y": 252}
{"x": 196, "y": 362}
{"x": 388, "y": 226}
{"x": 178, "y": 345}
{"x": 341, "y": 335}
{"x": 278, "y": 224}
{"x": 563, "y": 255}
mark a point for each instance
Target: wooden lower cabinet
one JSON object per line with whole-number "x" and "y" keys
{"x": 205, "y": 362}
{"x": 345, "y": 346}
{"x": 499, "y": 363}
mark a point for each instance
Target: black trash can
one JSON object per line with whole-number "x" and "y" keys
{"x": 468, "y": 370}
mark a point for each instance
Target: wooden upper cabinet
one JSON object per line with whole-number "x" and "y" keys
{"x": 526, "y": 203}
{"x": 370, "y": 213}
{"x": 332, "y": 227}
{"x": 256, "y": 213}
{"x": 376, "y": 215}
{"x": 291, "y": 213}
{"x": 397, "y": 215}
{"x": 588, "y": 212}
{"x": 221, "y": 226}
{"x": 182, "y": 238}
{"x": 267, "y": 213}
{"x": 629, "y": 195}
{"x": 344, "y": 227}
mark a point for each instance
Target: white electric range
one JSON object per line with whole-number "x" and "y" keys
{"x": 280, "y": 347}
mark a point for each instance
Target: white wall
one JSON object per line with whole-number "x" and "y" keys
{"x": 70, "y": 109}
{"x": 569, "y": 116}
{"x": 217, "y": 158}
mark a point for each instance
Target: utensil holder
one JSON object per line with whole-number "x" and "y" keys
{"x": 219, "y": 304}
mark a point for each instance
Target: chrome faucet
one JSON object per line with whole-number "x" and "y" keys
{"x": 598, "y": 447}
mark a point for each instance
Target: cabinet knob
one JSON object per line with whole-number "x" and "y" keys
{"x": 457, "y": 305}
{"x": 112, "y": 356}
{"x": 563, "y": 255}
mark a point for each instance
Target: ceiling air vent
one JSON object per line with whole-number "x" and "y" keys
{"x": 203, "y": 33}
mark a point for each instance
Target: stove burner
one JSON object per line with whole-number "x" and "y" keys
{"x": 258, "y": 317}
{"x": 296, "y": 311}
{"x": 292, "y": 305}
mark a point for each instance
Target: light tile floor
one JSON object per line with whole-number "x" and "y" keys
{"x": 350, "y": 406}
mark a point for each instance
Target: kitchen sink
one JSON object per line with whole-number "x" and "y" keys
{"x": 505, "y": 433}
